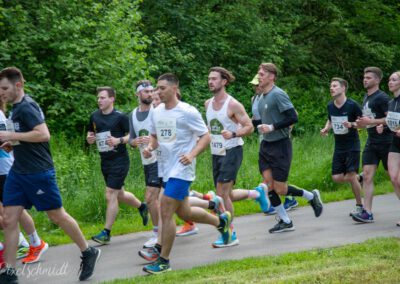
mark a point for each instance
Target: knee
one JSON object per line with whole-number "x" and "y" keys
{"x": 336, "y": 178}
{"x": 111, "y": 195}
{"x": 8, "y": 222}
{"x": 57, "y": 217}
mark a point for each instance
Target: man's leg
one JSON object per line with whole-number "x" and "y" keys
{"x": 151, "y": 197}
{"x": 368, "y": 186}
{"x": 394, "y": 171}
{"x": 168, "y": 208}
{"x": 224, "y": 190}
{"x": 112, "y": 197}
{"x": 351, "y": 178}
{"x": 11, "y": 231}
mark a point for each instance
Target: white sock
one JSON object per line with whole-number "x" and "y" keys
{"x": 34, "y": 239}
{"x": 282, "y": 213}
{"x": 1, "y": 246}
{"x": 22, "y": 241}
{"x": 307, "y": 195}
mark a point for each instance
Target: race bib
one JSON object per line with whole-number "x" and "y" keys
{"x": 368, "y": 113}
{"x": 166, "y": 130}
{"x": 217, "y": 145}
{"x": 101, "y": 139}
{"x": 393, "y": 120}
{"x": 337, "y": 125}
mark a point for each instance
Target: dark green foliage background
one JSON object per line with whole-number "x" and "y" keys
{"x": 68, "y": 48}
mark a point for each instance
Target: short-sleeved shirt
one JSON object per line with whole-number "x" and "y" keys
{"x": 393, "y": 118}
{"x": 30, "y": 157}
{"x": 346, "y": 139}
{"x": 6, "y": 159}
{"x": 376, "y": 106}
{"x": 117, "y": 123}
{"x": 271, "y": 107}
{"x": 177, "y": 130}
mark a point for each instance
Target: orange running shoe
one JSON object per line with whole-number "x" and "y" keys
{"x": 35, "y": 253}
{"x": 187, "y": 230}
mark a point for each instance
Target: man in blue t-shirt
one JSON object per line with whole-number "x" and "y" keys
{"x": 32, "y": 180}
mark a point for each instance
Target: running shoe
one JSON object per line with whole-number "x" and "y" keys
{"x": 363, "y": 217}
{"x": 151, "y": 242}
{"x": 35, "y": 253}
{"x": 226, "y": 231}
{"x": 8, "y": 276}
{"x": 187, "y": 230}
{"x": 357, "y": 210}
{"x": 282, "y": 227}
{"x": 262, "y": 199}
{"x": 157, "y": 267}
{"x": 271, "y": 211}
{"x": 219, "y": 205}
{"x": 219, "y": 243}
{"x": 290, "y": 203}
{"x": 22, "y": 251}
{"x": 144, "y": 213}
{"x": 149, "y": 254}
{"x": 102, "y": 238}
{"x": 316, "y": 203}
{"x": 88, "y": 264}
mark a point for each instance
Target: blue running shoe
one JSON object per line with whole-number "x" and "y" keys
{"x": 226, "y": 231}
{"x": 363, "y": 217}
{"x": 102, "y": 238}
{"x": 290, "y": 203}
{"x": 157, "y": 267}
{"x": 271, "y": 211}
{"x": 219, "y": 243}
{"x": 264, "y": 202}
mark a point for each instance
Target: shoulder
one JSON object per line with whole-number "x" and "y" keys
{"x": 207, "y": 102}
{"x": 188, "y": 109}
{"x": 234, "y": 104}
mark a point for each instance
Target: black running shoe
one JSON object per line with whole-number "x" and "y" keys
{"x": 316, "y": 203}
{"x": 282, "y": 227}
{"x": 8, "y": 276}
{"x": 89, "y": 260}
{"x": 144, "y": 213}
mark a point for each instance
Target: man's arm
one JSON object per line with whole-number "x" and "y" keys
{"x": 40, "y": 133}
{"x": 240, "y": 116}
{"x": 201, "y": 145}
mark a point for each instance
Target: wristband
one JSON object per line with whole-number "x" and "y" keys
{"x": 121, "y": 140}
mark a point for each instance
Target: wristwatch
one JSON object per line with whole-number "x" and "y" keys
{"x": 233, "y": 134}
{"x": 121, "y": 140}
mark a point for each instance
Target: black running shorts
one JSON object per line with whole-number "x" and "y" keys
{"x": 276, "y": 156}
{"x": 374, "y": 153}
{"x": 226, "y": 168}
{"x": 345, "y": 162}
{"x": 115, "y": 171}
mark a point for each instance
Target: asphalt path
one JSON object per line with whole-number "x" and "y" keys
{"x": 120, "y": 259}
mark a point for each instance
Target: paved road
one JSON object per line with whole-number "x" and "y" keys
{"x": 120, "y": 259}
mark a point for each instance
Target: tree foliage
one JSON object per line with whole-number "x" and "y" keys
{"x": 67, "y": 48}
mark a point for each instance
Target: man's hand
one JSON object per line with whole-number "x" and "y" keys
{"x": 6, "y": 146}
{"x": 364, "y": 121}
{"x": 324, "y": 131}
{"x": 112, "y": 141}
{"x": 186, "y": 159}
{"x": 379, "y": 129}
{"x": 265, "y": 128}
{"x": 147, "y": 152}
{"x": 90, "y": 138}
{"x": 227, "y": 134}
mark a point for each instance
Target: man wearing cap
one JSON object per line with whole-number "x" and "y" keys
{"x": 139, "y": 136}
{"x": 108, "y": 128}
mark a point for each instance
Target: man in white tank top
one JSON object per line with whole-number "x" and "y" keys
{"x": 227, "y": 121}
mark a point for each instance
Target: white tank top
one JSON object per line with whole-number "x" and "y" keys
{"x": 218, "y": 121}
{"x": 142, "y": 128}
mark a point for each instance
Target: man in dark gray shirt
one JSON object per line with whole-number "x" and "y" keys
{"x": 277, "y": 115}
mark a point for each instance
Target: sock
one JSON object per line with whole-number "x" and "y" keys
{"x": 22, "y": 241}
{"x": 253, "y": 194}
{"x": 142, "y": 207}
{"x": 359, "y": 205}
{"x": 157, "y": 246}
{"x": 107, "y": 231}
{"x": 211, "y": 205}
{"x": 155, "y": 229}
{"x": 296, "y": 191}
{"x": 34, "y": 239}
{"x": 308, "y": 195}
{"x": 163, "y": 260}
{"x": 1, "y": 246}
{"x": 282, "y": 213}
{"x": 274, "y": 198}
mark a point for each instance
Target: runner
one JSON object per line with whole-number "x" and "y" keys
{"x": 375, "y": 107}
{"x": 139, "y": 127}
{"x": 393, "y": 122}
{"x": 31, "y": 180}
{"x": 342, "y": 114}
{"x": 175, "y": 128}
{"x": 108, "y": 128}
{"x": 227, "y": 121}
{"x": 277, "y": 114}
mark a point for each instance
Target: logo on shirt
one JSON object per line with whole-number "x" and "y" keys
{"x": 40, "y": 192}
{"x": 216, "y": 126}
{"x": 16, "y": 126}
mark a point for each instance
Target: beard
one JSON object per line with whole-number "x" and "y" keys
{"x": 146, "y": 101}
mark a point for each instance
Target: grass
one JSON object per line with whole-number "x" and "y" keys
{"x": 374, "y": 261}
{"x": 82, "y": 185}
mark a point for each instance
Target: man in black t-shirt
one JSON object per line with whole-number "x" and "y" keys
{"x": 32, "y": 180}
{"x": 342, "y": 114}
{"x": 108, "y": 128}
{"x": 375, "y": 107}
